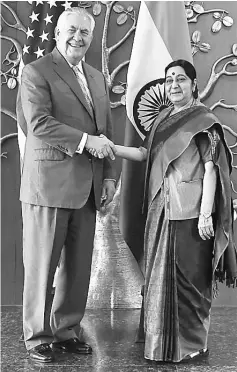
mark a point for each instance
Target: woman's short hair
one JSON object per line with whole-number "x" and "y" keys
{"x": 189, "y": 70}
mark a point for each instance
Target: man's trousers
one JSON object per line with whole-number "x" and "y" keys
{"x": 45, "y": 231}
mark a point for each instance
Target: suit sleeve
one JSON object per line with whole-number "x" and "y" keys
{"x": 38, "y": 112}
{"x": 109, "y": 165}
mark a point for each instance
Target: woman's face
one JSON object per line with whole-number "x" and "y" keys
{"x": 178, "y": 86}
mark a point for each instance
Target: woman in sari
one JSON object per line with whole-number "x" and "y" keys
{"x": 188, "y": 242}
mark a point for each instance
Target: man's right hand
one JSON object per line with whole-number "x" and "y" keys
{"x": 101, "y": 146}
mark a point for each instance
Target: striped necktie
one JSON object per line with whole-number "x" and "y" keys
{"x": 84, "y": 89}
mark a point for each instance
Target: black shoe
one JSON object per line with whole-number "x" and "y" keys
{"x": 41, "y": 353}
{"x": 73, "y": 345}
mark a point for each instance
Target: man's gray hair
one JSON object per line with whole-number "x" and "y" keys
{"x": 76, "y": 10}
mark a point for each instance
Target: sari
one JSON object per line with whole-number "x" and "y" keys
{"x": 180, "y": 267}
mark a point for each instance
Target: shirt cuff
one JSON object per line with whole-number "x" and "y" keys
{"x": 82, "y": 143}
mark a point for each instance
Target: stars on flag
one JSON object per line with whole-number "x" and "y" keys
{"x": 26, "y": 49}
{"x": 44, "y": 36}
{"x": 39, "y": 52}
{"x": 29, "y": 33}
{"x": 34, "y": 17}
{"x": 67, "y": 5}
{"x": 51, "y": 3}
{"x": 37, "y": 2}
{"x": 40, "y": 37}
{"x": 48, "y": 19}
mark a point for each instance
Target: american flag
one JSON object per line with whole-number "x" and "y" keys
{"x": 40, "y": 29}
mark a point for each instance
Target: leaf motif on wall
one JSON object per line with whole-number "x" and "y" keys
{"x": 84, "y": 4}
{"x": 228, "y": 21}
{"x": 198, "y": 8}
{"x": 122, "y": 19}
{"x": 130, "y": 8}
{"x": 216, "y": 15}
{"x": 194, "y": 50}
{"x": 205, "y": 47}
{"x": 234, "y": 49}
{"x": 118, "y": 89}
{"x": 123, "y": 100}
{"x": 196, "y": 36}
{"x": 189, "y": 13}
{"x": 11, "y": 83}
{"x": 97, "y": 9}
{"x": 216, "y": 26}
{"x": 118, "y": 8}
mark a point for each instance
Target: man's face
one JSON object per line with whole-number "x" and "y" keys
{"x": 73, "y": 37}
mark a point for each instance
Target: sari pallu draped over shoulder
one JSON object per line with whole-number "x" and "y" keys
{"x": 168, "y": 139}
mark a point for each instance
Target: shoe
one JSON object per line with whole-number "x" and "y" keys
{"x": 73, "y": 345}
{"x": 199, "y": 354}
{"x": 41, "y": 353}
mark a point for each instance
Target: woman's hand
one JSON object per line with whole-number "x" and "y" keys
{"x": 205, "y": 227}
{"x": 100, "y": 146}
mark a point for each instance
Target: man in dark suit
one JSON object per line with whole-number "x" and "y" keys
{"x": 65, "y": 104}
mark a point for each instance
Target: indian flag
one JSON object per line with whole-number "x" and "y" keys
{"x": 161, "y": 36}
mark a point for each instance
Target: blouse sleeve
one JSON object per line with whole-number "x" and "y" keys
{"x": 204, "y": 146}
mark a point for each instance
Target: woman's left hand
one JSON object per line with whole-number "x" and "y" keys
{"x": 205, "y": 227}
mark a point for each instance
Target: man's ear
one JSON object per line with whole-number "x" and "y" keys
{"x": 56, "y": 32}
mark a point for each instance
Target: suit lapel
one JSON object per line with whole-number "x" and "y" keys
{"x": 65, "y": 72}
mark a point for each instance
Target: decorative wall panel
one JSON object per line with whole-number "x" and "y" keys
{"x": 116, "y": 279}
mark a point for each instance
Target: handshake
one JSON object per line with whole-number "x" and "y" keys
{"x": 100, "y": 147}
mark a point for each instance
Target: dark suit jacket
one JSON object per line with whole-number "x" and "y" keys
{"x": 54, "y": 108}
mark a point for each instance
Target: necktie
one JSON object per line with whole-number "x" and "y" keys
{"x": 84, "y": 89}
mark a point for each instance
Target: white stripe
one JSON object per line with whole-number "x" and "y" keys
{"x": 148, "y": 59}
